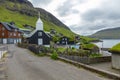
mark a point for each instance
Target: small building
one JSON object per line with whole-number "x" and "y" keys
{"x": 64, "y": 40}
{"x": 115, "y": 50}
{"x": 38, "y": 36}
{"x": 116, "y": 60}
{"x": 9, "y": 33}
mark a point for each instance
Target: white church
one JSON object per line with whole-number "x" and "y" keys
{"x": 38, "y": 36}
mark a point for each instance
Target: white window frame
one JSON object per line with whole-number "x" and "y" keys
{"x": 14, "y": 34}
{"x": 40, "y": 41}
{"x": 3, "y": 34}
{"x": 39, "y": 34}
{"x": 19, "y": 34}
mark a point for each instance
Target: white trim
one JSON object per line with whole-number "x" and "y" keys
{"x": 47, "y": 45}
{"x": 15, "y": 41}
{"x": 4, "y": 41}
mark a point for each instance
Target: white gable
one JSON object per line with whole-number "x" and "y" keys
{"x": 39, "y": 24}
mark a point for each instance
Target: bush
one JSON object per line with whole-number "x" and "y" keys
{"x": 54, "y": 56}
{"x": 41, "y": 54}
{"x": 94, "y": 55}
{"x": 34, "y": 48}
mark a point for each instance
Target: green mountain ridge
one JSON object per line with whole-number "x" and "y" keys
{"x": 112, "y": 33}
{"x": 22, "y": 13}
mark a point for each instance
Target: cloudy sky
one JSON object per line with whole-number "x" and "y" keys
{"x": 84, "y": 17}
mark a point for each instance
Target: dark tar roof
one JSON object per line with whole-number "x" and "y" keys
{"x": 9, "y": 26}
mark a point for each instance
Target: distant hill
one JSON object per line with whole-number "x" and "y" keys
{"x": 112, "y": 33}
{"x": 22, "y": 13}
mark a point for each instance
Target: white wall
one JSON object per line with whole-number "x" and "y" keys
{"x": 116, "y": 61}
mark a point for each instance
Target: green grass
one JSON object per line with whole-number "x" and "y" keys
{"x": 94, "y": 55}
{"x": 87, "y": 39}
{"x": 54, "y": 56}
{"x": 61, "y": 49}
{"x": 116, "y": 48}
{"x": 21, "y": 19}
{"x": 89, "y": 46}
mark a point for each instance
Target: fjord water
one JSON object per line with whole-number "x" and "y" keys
{"x": 107, "y": 43}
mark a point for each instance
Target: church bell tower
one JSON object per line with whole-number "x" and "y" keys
{"x": 39, "y": 24}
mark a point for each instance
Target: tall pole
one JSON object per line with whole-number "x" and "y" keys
{"x": 102, "y": 47}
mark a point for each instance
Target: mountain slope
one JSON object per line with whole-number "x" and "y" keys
{"x": 22, "y": 12}
{"x": 112, "y": 33}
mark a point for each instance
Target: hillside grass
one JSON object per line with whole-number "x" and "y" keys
{"x": 21, "y": 19}
{"x": 108, "y": 34}
{"x": 115, "y": 48}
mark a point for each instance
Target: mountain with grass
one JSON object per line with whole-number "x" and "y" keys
{"x": 112, "y": 33}
{"x": 22, "y": 13}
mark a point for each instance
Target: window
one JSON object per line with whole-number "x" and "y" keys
{"x": 3, "y": 34}
{"x": 19, "y": 34}
{"x": 63, "y": 42}
{"x": 10, "y": 34}
{"x": 66, "y": 39}
{"x": 39, "y": 33}
{"x": 14, "y": 34}
{"x": 11, "y": 41}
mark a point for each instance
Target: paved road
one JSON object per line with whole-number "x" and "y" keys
{"x": 107, "y": 66}
{"x": 22, "y": 65}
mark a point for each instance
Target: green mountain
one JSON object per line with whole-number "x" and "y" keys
{"x": 22, "y": 13}
{"x": 112, "y": 33}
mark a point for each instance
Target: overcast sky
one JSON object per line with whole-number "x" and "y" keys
{"x": 84, "y": 17}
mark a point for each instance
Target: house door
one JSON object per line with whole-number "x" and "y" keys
{"x": 4, "y": 41}
{"x": 15, "y": 41}
{"x": 40, "y": 41}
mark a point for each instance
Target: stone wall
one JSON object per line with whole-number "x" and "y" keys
{"x": 87, "y": 60}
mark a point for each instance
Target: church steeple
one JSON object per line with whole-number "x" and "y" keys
{"x": 39, "y": 24}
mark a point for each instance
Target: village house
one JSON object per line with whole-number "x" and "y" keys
{"x": 64, "y": 40}
{"x": 9, "y": 33}
{"x": 38, "y": 36}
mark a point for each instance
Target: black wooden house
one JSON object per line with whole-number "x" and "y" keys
{"x": 40, "y": 38}
{"x": 64, "y": 40}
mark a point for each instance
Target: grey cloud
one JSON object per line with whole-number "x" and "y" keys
{"x": 41, "y": 2}
{"x": 106, "y": 16}
{"x": 97, "y": 14}
{"x": 66, "y": 9}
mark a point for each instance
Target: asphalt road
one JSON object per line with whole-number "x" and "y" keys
{"x": 22, "y": 65}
